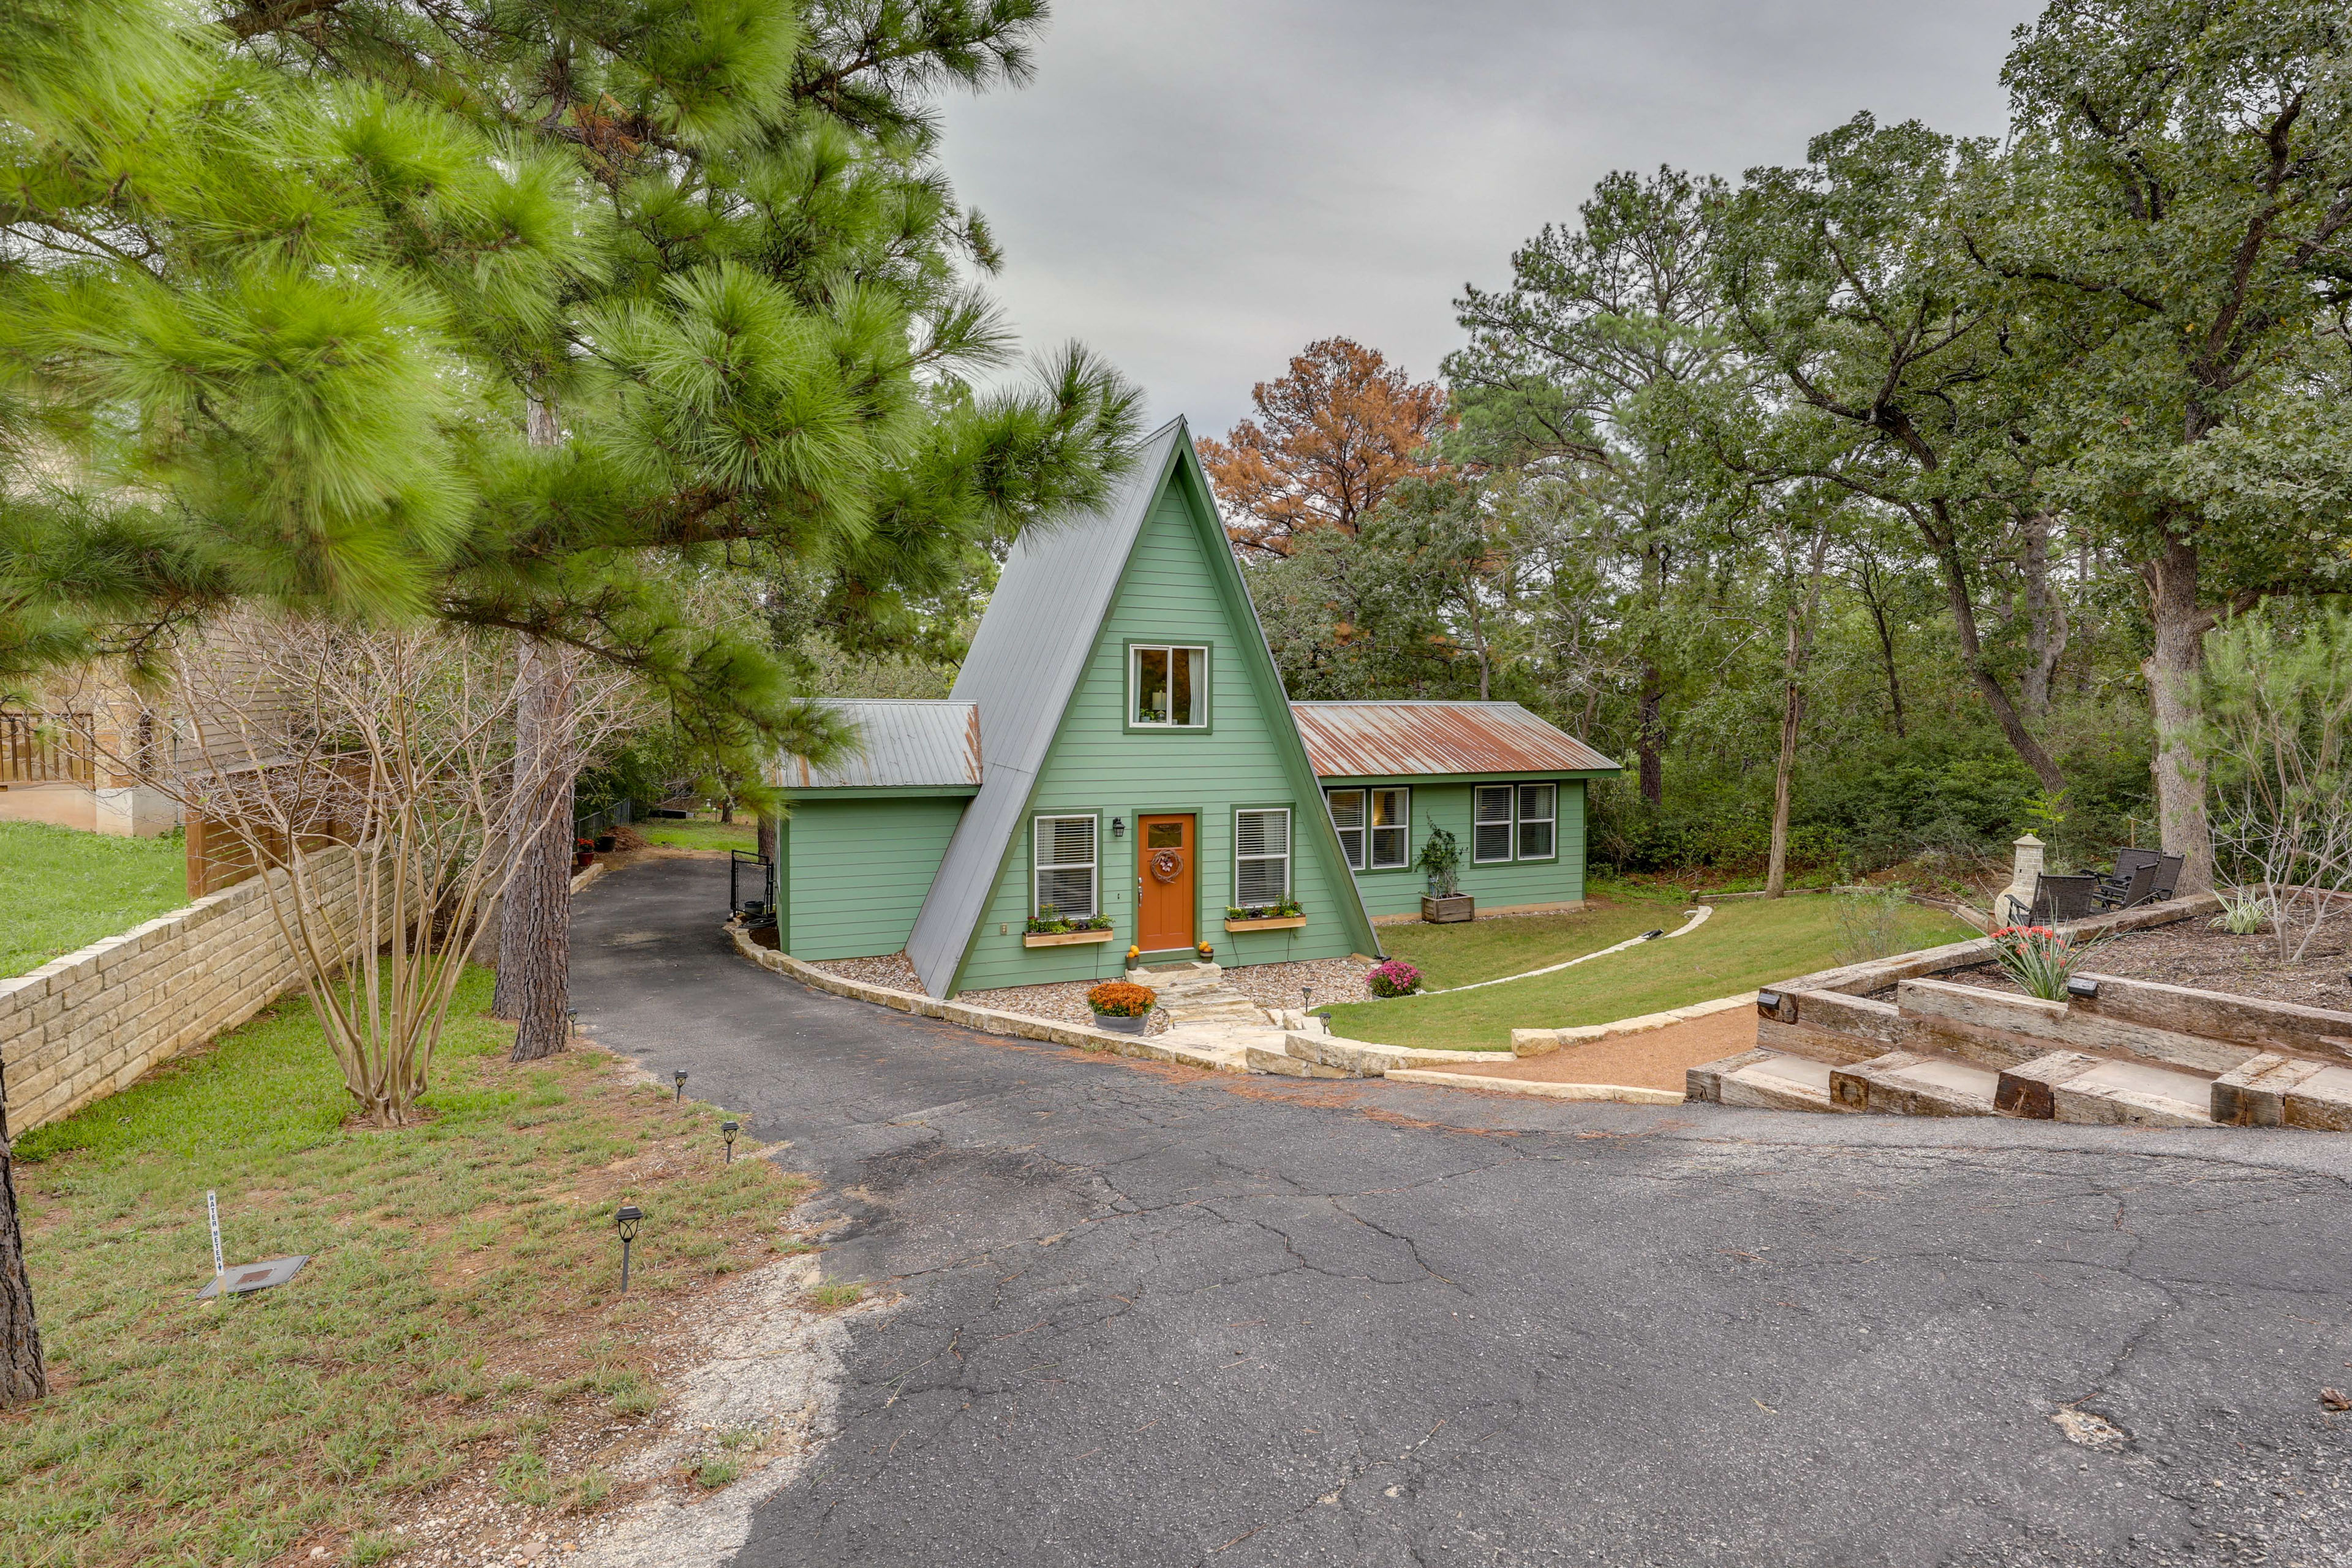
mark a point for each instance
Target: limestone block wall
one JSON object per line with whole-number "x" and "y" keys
{"x": 85, "y": 1025}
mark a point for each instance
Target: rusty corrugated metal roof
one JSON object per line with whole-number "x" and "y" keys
{"x": 902, "y": 743}
{"x": 1391, "y": 739}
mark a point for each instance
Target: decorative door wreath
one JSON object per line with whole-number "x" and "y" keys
{"x": 1167, "y": 865}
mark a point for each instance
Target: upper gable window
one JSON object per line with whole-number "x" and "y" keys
{"x": 1168, "y": 687}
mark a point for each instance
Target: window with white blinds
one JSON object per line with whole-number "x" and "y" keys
{"x": 1348, "y": 816}
{"x": 1391, "y": 828}
{"x": 1491, "y": 826}
{"x": 1261, "y": 857}
{"x": 1539, "y": 815}
{"x": 1064, "y": 862}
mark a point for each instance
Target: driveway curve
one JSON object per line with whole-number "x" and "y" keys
{"x": 1156, "y": 1317}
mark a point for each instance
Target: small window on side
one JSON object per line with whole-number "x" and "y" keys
{"x": 1539, "y": 818}
{"x": 1490, "y": 826}
{"x": 1347, "y": 817}
{"x": 1392, "y": 828}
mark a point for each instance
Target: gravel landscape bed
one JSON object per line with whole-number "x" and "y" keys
{"x": 1335, "y": 980}
{"x": 2191, "y": 953}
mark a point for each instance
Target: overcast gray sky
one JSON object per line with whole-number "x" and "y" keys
{"x": 1197, "y": 190}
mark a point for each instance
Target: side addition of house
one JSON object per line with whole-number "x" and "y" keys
{"x": 1118, "y": 766}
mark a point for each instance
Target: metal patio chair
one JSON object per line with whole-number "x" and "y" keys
{"x": 2122, "y": 893}
{"x": 2056, "y": 899}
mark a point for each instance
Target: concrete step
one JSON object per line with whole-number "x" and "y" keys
{"x": 1908, "y": 1083}
{"x": 2067, "y": 1086}
{"x": 1763, "y": 1080}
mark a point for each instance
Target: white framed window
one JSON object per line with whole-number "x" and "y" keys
{"x": 1490, "y": 826}
{"x": 1347, "y": 817}
{"x": 1392, "y": 828}
{"x": 1539, "y": 818}
{"x": 1261, "y": 857}
{"x": 1064, "y": 858}
{"x": 1166, "y": 687}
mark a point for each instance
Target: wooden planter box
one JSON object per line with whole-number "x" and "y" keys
{"x": 1273, "y": 922}
{"x": 1446, "y": 912}
{"x": 1064, "y": 938}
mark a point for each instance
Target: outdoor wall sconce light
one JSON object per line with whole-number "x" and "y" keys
{"x": 727, "y": 1130}
{"x": 625, "y": 1220}
{"x": 2082, "y": 986}
{"x": 680, "y": 1078}
{"x": 1119, "y": 827}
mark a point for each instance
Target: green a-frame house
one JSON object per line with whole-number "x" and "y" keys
{"x": 1118, "y": 748}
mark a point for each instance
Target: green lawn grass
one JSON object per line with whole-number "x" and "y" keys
{"x": 61, "y": 890}
{"x": 1489, "y": 949}
{"x": 459, "y": 1306}
{"x": 1743, "y": 945}
{"x": 695, "y": 834}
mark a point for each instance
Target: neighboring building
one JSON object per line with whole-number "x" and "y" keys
{"x": 1118, "y": 746}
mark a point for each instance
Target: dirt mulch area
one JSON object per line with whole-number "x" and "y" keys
{"x": 1656, "y": 1059}
{"x": 2191, "y": 953}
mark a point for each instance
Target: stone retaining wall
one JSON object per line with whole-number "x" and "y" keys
{"x": 87, "y": 1024}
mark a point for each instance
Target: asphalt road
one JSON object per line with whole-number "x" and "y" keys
{"x": 1155, "y": 1317}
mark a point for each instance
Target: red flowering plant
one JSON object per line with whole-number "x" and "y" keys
{"x": 1394, "y": 978}
{"x": 2040, "y": 958}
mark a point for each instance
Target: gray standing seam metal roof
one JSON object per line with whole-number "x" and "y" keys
{"x": 1377, "y": 739}
{"x": 902, "y": 743}
{"x": 1026, "y": 660}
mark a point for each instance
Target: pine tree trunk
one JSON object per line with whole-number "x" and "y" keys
{"x": 2173, "y": 668}
{"x": 535, "y": 917}
{"x": 23, "y": 1376}
{"x": 1649, "y": 735}
{"x": 1775, "y": 879}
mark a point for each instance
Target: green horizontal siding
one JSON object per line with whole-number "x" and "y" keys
{"x": 1097, "y": 765}
{"x": 858, "y": 871}
{"x": 1497, "y": 886}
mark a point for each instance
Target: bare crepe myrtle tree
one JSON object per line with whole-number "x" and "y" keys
{"x": 2278, "y": 743}
{"x": 370, "y": 777}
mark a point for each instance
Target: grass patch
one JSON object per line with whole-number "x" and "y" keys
{"x": 670, "y": 834}
{"x": 458, "y": 1305}
{"x": 1742, "y": 946}
{"x": 836, "y": 1293}
{"x": 62, "y": 889}
{"x": 1489, "y": 949}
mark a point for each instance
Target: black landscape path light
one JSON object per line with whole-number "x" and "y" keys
{"x": 727, "y": 1130}
{"x": 625, "y": 1219}
{"x": 680, "y": 1078}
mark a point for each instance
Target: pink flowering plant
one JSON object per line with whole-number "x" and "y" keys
{"x": 1394, "y": 978}
{"x": 2040, "y": 959}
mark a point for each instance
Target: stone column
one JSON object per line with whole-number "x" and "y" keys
{"x": 2027, "y": 865}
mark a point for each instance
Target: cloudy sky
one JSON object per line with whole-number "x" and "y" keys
{"x": 1197, "y": 190}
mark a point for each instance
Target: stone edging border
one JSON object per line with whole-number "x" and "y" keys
{"x": 1616, "y": 1093}
{"x": 987, "y": 1020}
{"x": 594, "y": 874}
{"x": 1543, "y": 1042}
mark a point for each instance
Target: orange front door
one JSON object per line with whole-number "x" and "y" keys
{"x": 1164, "y": 902}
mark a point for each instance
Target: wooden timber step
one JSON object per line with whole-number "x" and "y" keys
{"x": 1906, "y": 1083}
{"x": 2067, "y": 1086}
{"x": 1763, "y": 1080}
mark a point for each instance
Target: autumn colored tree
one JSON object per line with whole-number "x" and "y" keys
{"x": 1329, "y": 439}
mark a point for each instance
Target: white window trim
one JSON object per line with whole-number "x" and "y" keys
{"x": 1135, "y": 652}
{"x": 1518, "y": 848}
{"x": 1363, "y": 830}
{"x": 1509, "y": 822}
{"x": 1404, "y": 825}
{"x": 1039, "y": 866}
{"x": 1285, "y": 857}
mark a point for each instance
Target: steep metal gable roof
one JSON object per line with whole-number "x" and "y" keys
{"x": 1382, "y": 740}
{"x": 1026, "y": 660}
{"x": 902, "y": 743}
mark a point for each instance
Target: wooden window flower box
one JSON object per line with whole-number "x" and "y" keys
{"x": 1272, "y": 922}
{"x": 1065, "y": 938}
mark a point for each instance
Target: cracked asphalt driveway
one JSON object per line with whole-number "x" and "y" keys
{"x": 1156, "y": 1317}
